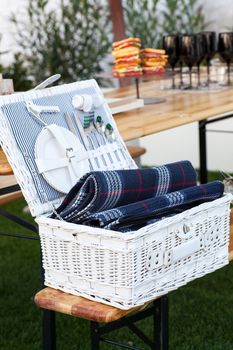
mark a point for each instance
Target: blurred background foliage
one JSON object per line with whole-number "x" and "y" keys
{"x": 72, "y": 41}
{"x": 75, "y": 40}
{"x": 151, "y": 19}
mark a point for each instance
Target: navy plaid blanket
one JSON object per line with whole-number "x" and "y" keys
{"x": 104, "y": 190}
{"x": 133, "y": 216}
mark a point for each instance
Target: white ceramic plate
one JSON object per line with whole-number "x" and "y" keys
{"x": 60, "y": 157}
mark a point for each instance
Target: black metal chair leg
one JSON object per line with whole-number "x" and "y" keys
{"x": 203, "y": 152}
{"x": 95, "y": 337}
{"x": 48, "y": 321}
{"x": 161, "y": 323}
{"x": 49, "y": 330}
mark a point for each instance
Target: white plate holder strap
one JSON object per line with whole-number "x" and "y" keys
{"x": 35, "y": 110}
{"x": 71, "y": 156}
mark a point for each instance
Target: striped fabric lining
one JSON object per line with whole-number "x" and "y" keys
{"x": 26, "y": 128}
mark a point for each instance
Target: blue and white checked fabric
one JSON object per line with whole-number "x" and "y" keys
{"x": 100, "y": 191}
{"x": 133, "y": 216}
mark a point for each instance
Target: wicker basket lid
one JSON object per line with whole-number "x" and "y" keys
{"x": 19, "y": 131}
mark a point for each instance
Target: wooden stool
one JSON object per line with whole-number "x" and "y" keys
{"x": 56, "y": 301}
{"x": 136, "y": 151}
{"x": 9, "y": 190}
{"x": 5, "y": 168}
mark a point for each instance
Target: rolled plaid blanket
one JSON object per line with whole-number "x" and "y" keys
{"x": 132, "y": 215}
{"x": 103, "y": 190}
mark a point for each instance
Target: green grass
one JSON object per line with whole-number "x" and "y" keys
{"x": 200, "y": 317}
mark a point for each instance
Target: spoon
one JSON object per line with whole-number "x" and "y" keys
{"x": 100, "y": 127}
{"x": 111, "y": 136}
{"x": 88, "y": 132}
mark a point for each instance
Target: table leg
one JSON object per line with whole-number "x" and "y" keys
{"x": 148, "y": 100}
{"x": 203, "y": 152}
{"x": 161, "y": 333}
{"x": 137, "y": 88}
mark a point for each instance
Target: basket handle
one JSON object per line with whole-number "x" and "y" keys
{"x": 183, "y": 250}
{"x": 160, "y": 257}
{"x": 48, "y": 82}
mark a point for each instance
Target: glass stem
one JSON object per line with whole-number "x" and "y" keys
{"x": 181, "y": 76}
{"x": 198, "y": 76}
{"x": 137, "y": 88}
{"x": 228, "y": 73}
{"x": 190, "y": 77}
{"x": 173, "y": 78}
{"x": 208, "y": 73}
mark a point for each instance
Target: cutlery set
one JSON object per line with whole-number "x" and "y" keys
{"x": 98, "y": 138}
{"x": 85, "y": 142}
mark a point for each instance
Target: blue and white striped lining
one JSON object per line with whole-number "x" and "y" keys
{"x": 26, "y": 129}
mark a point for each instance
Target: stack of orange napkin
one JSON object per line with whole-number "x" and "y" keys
{"x": 153, "y": 61}
{"x": 127, "y": 60}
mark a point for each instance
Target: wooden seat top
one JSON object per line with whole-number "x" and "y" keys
{"x": 5, "y": 168}
{"x": 8, "y": 181}
{"x": 136, "y": 151}
{"x": 58, "y": 301}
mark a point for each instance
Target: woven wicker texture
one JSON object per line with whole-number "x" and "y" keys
{"x": 126, "y": 270}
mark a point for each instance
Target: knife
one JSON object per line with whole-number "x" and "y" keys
{"x": 82, "y": 132}
{"x": 70, "y": 123}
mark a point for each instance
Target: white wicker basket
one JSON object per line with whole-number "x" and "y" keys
{"x": 129, "y": 269}
{"x": 121, "y": 269}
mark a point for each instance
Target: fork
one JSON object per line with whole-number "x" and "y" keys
{"x": 89, "y": 144}
{"x": 82, "y": 137}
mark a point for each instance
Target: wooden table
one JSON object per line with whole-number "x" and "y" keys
{"x": 180, "y": 108}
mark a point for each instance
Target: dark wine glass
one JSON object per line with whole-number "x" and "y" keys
{"x": 181, "y": 61}
{"x": 201, "y": 53}
{"x": 225, "y": 49}
{"x": 188, "y": 52}
{"x": 171, "y": 46}
{"x": 210, "y": 47}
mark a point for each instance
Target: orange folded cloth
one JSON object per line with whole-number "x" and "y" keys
{"x": 153, "y": 60}
{"x": 127, "y": 60}
{"x": 118, "y": 45}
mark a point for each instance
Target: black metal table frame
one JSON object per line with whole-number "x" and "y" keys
{"x": 203, "y": 144}
{"x": 158, "y": 309}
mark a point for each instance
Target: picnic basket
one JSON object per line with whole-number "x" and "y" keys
{"x": 121, "y": 269}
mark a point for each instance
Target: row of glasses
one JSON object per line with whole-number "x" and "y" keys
{"x": 193, "y": 49}
{"x": 225, "y": 49}
{"x": 190, "y": 50}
